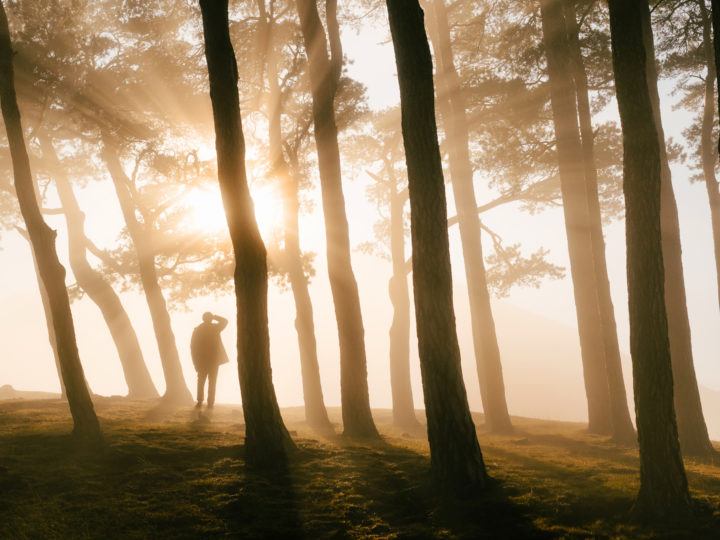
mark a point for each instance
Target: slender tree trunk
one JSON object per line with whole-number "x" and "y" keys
{"x": 176, "y": 390}
{"x": 267, "y": 441}
{"x": 453, "y": 115}
{"x": 577, "y": 218}
{"x": 622, "y": 427}
{"x": 42, "y": 238}
{"x": 137, "y": 377}
{"x": 663, "y": 484}
{"x": 402, "y": 398}
{"x": 694, "y": 438}
{"x": 455, "y": 456}
{"x": 48, "y": 314}
{"x": 715, "y": 17}
{"x": 357, "y": 418}
{"x": 315, "y": 411}
{"x": 707, "y": 149}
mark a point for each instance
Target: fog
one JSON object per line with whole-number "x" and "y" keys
{"x": 537, "y": 327}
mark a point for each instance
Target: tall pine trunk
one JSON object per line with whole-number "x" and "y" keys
{"x": 707, "y": 148}
{"x": 694, "y": 438}
{"x": 455, "y": 456}
{"x": 400, "y": 383}
{"x": 622, "y": 427}
{"x": 577, "y": 217}
{"x": 357, "y": 418}
{"x": 453, "y": 116}
{"x": 176, "y": 390}
{"x": 663, "y": 485}
{"x": 137, "y": 377}
{"x": 42, "y": 237}
{"x": 267, "y": 440}
{"x": 315, "y": 411}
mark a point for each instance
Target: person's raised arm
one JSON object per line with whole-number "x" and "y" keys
{"x": 221, "y": 322}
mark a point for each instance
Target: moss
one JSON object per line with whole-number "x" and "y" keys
{"x": 166, "y": 475}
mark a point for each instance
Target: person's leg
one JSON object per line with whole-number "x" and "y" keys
{"x": 202, "y": 375}
{"x": 212, "y": 379}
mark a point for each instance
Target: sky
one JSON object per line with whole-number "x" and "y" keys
{"x": 536, "y": 327}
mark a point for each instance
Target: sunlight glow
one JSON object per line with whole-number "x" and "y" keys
{"x": 208, "y": 213}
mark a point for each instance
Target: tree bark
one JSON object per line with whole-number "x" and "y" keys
{"x": 267, "y": 440}
{"x": 715, "y": 17}
{"x": 42, "y": 237}
{"x": 707, "y": 149}
{"x": 137, "y": 377}
{"x": 315, "y": 411}
{"x": 453, "y": 116}
{"x": 694, "y": 438}
{"x": 577, "y": 219}
{"x": 622, "y": 427}
{"x": 357, "y": 417}
{"x": 455, "y": 457}
{"x": 176, "y": 390}
{"x": 663, "y": 485}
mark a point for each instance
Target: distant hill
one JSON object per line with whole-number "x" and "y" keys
{"x": 8, "y": 392}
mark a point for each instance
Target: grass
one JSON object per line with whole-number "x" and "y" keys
{"x": 171, "y": 475}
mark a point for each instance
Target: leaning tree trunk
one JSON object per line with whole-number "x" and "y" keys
{"x": 707, "y": 149}
{"x": 577, "y": 218}
{"x": 694, "y": 438}
{"x": 357, "y": 418}
{"x": 48, "y": 315}
{"x": 42, "y": 238}
{"x": 663, "y": 485}
{"x": 137, "y": 377}
{"x": 455, "y": 457}
{"x": 267, "y": 441}
{"x": 622, "y": 427}
{"x": 176, "y": 390}
{"x": 453, "y": 115}
{"x": 315, "y": 411}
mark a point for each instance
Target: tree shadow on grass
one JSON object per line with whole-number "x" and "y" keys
{"x": 387, "y": 492}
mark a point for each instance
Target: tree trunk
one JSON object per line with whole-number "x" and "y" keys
{"x": 622, "y": 427}
{"x": 694, "y": 438}
{"x": 176, "y": 390}
{"x": 455, "y": 457}
{"x": 453, "y": 115}
{"x": 137, "y": 377}
{"x": 663, "y": 484}
{"x": 315, "y": 411}
{"x": 48, "y": 315}
{"x": 715, "y": 16}
{"x": 402, "y": 398}
{"x": 357, "y": 418}
{"x": 707, "y": 149}
{"x": 577, "y": 218}
{"x": 86, "y": 425}
{"x": 267, "y": 440}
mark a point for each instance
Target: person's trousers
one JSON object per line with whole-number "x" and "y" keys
{"x": 211, "y": 375}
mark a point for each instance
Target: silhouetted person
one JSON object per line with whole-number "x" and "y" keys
{"x": 208, "y": 353}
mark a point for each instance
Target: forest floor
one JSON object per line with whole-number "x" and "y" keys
{"x": 170, "y": 474}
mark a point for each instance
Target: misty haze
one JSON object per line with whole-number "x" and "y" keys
{"x": 359, "y": 269}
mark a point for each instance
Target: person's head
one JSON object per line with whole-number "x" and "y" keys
{"x": 207, "y": 317}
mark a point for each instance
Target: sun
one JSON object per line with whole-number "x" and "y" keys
{"x": 208, "y": 213}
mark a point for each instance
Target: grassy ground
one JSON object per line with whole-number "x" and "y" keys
{"x": 169, "y": 475}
